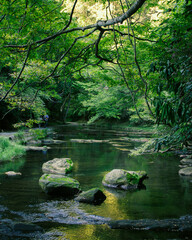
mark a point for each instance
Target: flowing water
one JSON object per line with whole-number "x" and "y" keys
{"x": 166, "y": 195}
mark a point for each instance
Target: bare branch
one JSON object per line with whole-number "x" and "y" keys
{"x": 97, "y": 47}
{"x": 71, "y": 16}
{"x": 126, "y": 34}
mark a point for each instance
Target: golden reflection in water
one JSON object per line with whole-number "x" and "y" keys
{"x": 85, "y": 232}
{"x": 112, "y": 207}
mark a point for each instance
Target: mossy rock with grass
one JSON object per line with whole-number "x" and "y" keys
{"x": 58, "y": 166}
{"x": 93, "y": 196}
{"x": 123, "y": 179}
{"x": 59, "y": 185}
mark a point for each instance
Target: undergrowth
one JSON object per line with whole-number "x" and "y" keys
{"x": 10, "y": 149}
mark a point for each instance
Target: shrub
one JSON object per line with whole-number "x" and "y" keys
{"x": 19, "y": 137}
{"x": 39, "y": 133}
{"x": 9, "y": 149}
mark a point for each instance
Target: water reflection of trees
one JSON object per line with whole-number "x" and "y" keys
{"x": 14, "y": 165}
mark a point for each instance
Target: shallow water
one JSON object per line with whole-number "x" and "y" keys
{"x": 167, "y": 195}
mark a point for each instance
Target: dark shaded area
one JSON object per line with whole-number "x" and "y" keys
{"x": 93, "y": 196}
{"x": 181, "y": 224}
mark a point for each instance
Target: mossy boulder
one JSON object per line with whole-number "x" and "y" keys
{"x": 59, "y": 166}
{"x": 123, "y": 179}
{"x": 59, "y": 185}
{"x": 93, "y": 196}
{"x": 187, "y": 171}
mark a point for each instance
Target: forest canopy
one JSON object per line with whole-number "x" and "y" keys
{"x": 113, "y": 60}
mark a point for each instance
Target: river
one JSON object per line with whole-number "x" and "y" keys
{"x": 166, "y": 194}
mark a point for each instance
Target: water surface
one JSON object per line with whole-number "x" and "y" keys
{"x": 166, "y": 195}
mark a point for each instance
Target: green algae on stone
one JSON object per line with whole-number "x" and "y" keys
{"x": 123, "y": 179}
{"x": 59, "y": 185}
{"x": 59, "y": 166}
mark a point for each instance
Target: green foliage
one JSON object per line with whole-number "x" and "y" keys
{"x": 137, "y": 77}
{"x": 36, "y": 20}
{"x": 103, "y": 102}
{"x": 173, "y": 99}
{"x": 146, "y": 147}
{"x": 39, "y": 133}
{"x": 19, "y": 137}
{"x": 10, "y": 149}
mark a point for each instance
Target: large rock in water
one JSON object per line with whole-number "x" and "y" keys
{"x": 119, "y": 178}
{"x": 58, "y": 166}
{"x": 59, "y": 185}
{"x": 186, "y": 171}
{"x": 92, "y": 196}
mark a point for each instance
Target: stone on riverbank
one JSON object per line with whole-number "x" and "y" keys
{"x": 58, "y": 166}
{"x": 123, "y": 179}
{"x": 186, "y": 171}
{"x": 13, "y": 174}
{"x": 88, "y": 141}
{"x": 37, "y": 148}
{"x": 59, "y": 185}
{"x": 92, "y": 196}
{"x": 186, "y": 162}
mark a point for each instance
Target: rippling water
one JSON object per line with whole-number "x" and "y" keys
{"x": 167, "y": 195}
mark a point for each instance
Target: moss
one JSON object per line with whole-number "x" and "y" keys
{"x": 147, "y": 146}
{"x": 133, "y": 178}
{"x": 70, "y": 165}
{"x": 59, "y": 185}
{"x": 58, "y": 166}
{"x": 58, "y": 178}
{"x": 124, "y": 179}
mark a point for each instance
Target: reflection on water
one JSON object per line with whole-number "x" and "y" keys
{"x": 102, "y": 232}
{"x": 13, "y": 165}
{"x": 167, "y": 195}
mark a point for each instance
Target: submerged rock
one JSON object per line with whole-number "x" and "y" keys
{"x": 123, "y": 179}
{"x": 187, "y": 171}
{"x": 26, "y": 227}
{"x": 92, "y": 196}
{"x": 58, "y": 166}
{"x": 181, "y": 224}
{"x": 59, "y": 185}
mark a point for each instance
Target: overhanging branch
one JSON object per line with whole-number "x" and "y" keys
{"x": 133, "y": 9}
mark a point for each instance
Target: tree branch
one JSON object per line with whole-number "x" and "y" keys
{"x": 18, "y": 77}
{"x": 134, "y": 8}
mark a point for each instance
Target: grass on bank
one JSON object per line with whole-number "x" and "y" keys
{"x": 10, "y": 149}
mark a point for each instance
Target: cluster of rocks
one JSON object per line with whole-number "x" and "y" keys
{"x": 186, "y": 165}
{"x": 55, "y": 182}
